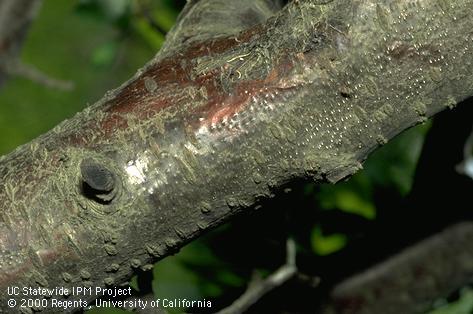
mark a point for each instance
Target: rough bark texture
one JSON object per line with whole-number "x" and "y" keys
{"x": 15, "y": 17}
{"x": 216, "y": 122}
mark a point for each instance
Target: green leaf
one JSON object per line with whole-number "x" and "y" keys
{"x": 327, "y": 244}
{"x": 394, "y": 165}
{"x": 134, "y": 283}
{"x": 153, "y": 38}
{"x": 104, "y": 55}
{"x": 173, "y": 281}
{"x": 353, "y": 196}
{"x": 195, "y": 273}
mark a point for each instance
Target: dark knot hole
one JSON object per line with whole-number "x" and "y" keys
{"x": 97, "y": 183}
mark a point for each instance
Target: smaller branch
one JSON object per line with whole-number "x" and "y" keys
{"x": 31, "y": 73}
{"x": 257, "y": 287}
{"x": 412, "y": 280}
{"x": 257, "y": 290}
{"x": 15, "y": 19}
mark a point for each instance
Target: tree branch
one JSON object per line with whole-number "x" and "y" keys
{"x": 209, "y": 128}
{"x": 16, "y": 68}
{"x": 412, "y": 280}
{"x": 15, "y": 18}
{"x": 258, "y": 289}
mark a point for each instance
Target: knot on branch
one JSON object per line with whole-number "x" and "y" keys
{"x": 98, "y": 182}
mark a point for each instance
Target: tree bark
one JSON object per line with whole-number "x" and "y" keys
{"x": 217, "y": 121}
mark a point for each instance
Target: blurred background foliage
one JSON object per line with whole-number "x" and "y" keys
{"x": 97, "y": 45}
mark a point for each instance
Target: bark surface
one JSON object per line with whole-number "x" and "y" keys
{"x": 217, "y": 121}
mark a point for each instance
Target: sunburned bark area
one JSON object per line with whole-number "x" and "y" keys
{"x": 215, "y": 123}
